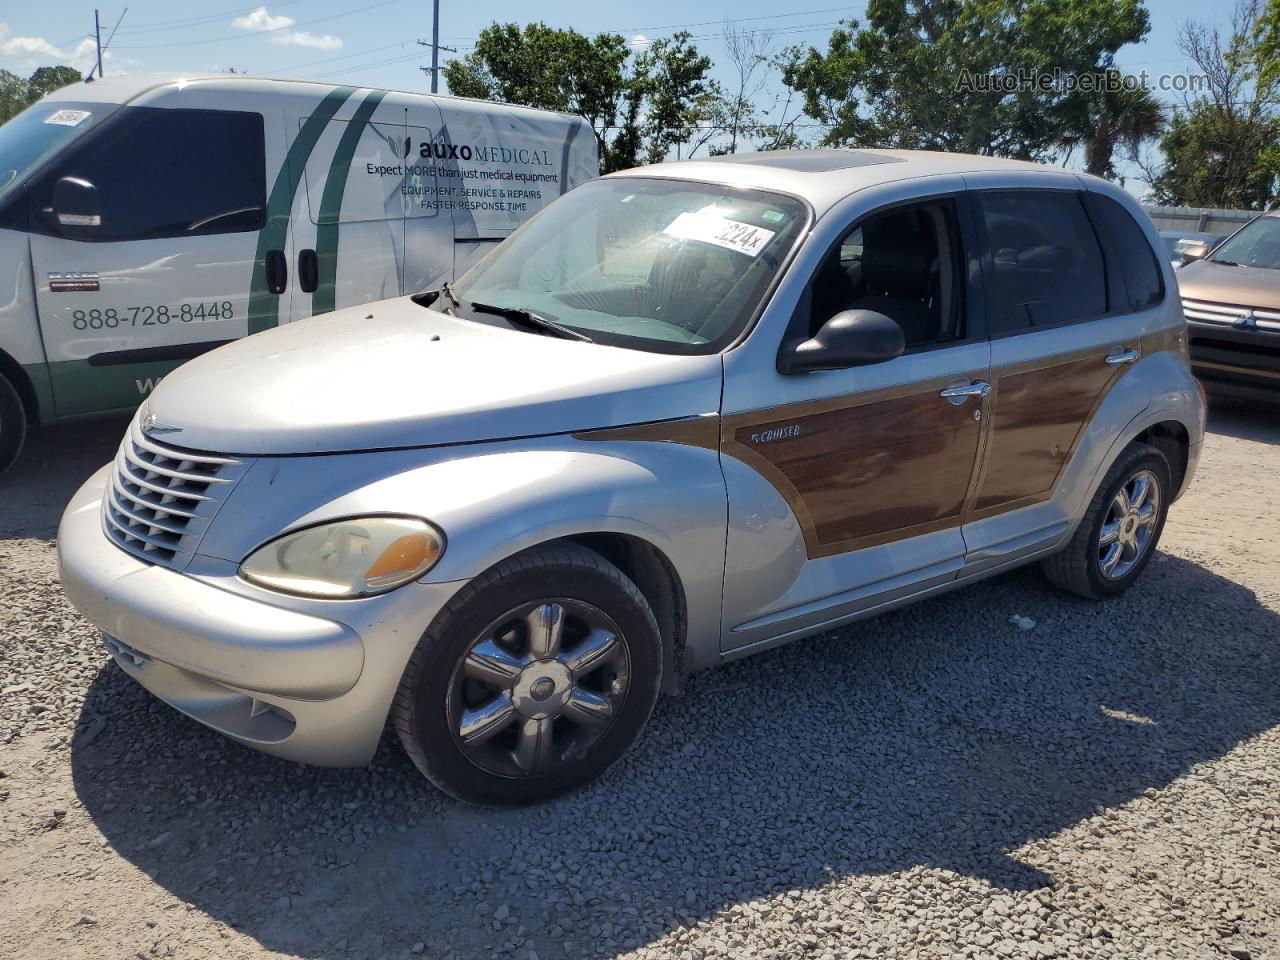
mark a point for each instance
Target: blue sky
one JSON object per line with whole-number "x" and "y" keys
{"x": 374, "y": 42}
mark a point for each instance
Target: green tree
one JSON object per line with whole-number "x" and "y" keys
{"x": 1221, "y": 146}
{"x": 915, "y": 75}
{"x": 672, "y": 77}
{"x": 1122, "y": 115}
{"x": 640, "y": 104}
{"x": 17, "y": 93}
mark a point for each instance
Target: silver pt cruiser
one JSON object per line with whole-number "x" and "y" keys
{"x": 687, "y": 413}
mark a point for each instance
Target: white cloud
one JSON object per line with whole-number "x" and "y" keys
{"x": 303, "y": 38}
{"x": 261, "y": 20}
{"x": 639, "y": 41}
{"x": 12, "y": 46}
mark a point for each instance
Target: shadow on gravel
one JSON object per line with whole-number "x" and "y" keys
{"x": 1245, "y": 421}
{"x": 940, "y": 736}
{"x": 51, "y": 467}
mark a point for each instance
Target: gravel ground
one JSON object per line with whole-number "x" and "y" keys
{"x": 937, "y": 782}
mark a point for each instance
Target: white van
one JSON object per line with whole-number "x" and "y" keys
{"x": 147, "y": 220}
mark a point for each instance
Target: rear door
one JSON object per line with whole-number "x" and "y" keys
{"x": 1064, "y": 329}
{"x": 167, "y": 269}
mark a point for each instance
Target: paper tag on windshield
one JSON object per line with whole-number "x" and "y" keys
{"x": 731, "y": 234}
{"x": 68, "y": 118}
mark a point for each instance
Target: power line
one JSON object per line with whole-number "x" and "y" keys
{"x": 159, "y": 26}
{"x": 704, "y": 23}
{"x": 345, "y": 56}
{"x": 259, "y": 33}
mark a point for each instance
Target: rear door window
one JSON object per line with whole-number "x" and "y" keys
{"x": 1046, "y": 267}
{"x": 173, "y": 173}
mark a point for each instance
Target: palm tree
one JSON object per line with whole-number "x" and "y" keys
{"x": 1123, "y": 114}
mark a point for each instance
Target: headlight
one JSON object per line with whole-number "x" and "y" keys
{"x": 347, "y": 558}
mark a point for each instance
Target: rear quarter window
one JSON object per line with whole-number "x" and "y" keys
{"x": 1128, "y": 252}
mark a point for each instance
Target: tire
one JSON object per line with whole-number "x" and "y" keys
{"x": 490, "y": 654}
{"x": 1079, "y": 567}
{"x": 13, "y": 424}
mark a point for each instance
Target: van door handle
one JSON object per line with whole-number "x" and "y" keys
{"x": 1118, "y": 357}
{"x": 277, "y": 271}
{"x": 962, "y": 392}
{"x": 308, "y": 271}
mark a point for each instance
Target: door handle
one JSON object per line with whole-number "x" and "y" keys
{"x": 962, "y": 392}
{"x": 277, "y": 271}
{"x": 308, "y": 271}
{"x": 1117, "y": 357}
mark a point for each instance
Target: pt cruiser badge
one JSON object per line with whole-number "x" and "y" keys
{"x": 672, "y": 421}
{"x": 777, "y": 433}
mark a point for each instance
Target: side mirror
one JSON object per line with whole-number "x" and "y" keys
{"x": 852, "y": 338}
{"x": 77, "y": 211}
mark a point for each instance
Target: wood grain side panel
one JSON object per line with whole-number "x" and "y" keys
{"x": 1038, "y": 416}
{"x": 702, "y": 431}
{"x": 865, "y": 472}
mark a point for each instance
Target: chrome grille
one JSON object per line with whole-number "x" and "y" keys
{"x": 162, "y": 498}
{"x": 1230, "y": 315}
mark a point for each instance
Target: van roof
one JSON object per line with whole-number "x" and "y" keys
{"x": 127, "y": 88}
{"x": 823, "y": 177}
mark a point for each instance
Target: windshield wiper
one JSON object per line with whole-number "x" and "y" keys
{"x": 1225, "y": 263}
{"x": 531, "y": 320}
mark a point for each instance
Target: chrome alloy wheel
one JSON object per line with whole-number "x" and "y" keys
{"x": 1129, "y": 525}
{"x": 538, "y": 687}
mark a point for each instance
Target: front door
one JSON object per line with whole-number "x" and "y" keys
{"x": 165, "y": 271}
{"x": 865, "y": 459}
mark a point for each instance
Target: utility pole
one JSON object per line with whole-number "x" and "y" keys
{"x": 97, "y": 36}
{"x": 434, "y": 69}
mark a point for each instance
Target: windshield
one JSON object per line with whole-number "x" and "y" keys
{"x": 669, "y": 266}
{"x": 41, "y": 130}
{"x": 1256, "y": 245}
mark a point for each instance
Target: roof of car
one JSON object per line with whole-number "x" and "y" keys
{"x": 128, "y": 88}
{"x": 823, "y": 177}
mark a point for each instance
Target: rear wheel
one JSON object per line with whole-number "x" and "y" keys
{"x": 532, "y": 680}
{"x": 13, "y": 424}
{"x": 1118, "y": 535}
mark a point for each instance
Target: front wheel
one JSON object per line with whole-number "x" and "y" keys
{"x": 1118, "y": 535}
{"x": 534, "y": 679}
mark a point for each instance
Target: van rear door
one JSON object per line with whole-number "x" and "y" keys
{"x": 144, "y": 238}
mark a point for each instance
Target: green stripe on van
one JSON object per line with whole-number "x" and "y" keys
{"x": 335, "y": 185}
{"x": 264, "y": 306}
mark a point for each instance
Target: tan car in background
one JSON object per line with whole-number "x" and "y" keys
{"x": 1232, "y": 303}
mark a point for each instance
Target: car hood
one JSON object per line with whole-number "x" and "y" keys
{"x": 395, "y": 374}
{"x": 1241, "y": 286}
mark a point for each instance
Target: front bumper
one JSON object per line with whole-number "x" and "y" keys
{"x": 1236, "y": 361}
{"x": 305, "y": 680}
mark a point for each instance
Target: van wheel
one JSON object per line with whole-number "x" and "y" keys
{"x": 536, "y": 677}
{"x": 1118, "y": 535}
{"x": 13, "y": 424}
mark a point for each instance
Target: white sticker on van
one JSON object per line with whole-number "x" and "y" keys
{"x": 709, "y": 227}
{"x": 68, "y": 118}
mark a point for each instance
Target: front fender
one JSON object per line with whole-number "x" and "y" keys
{"x": 493, "y": 500}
